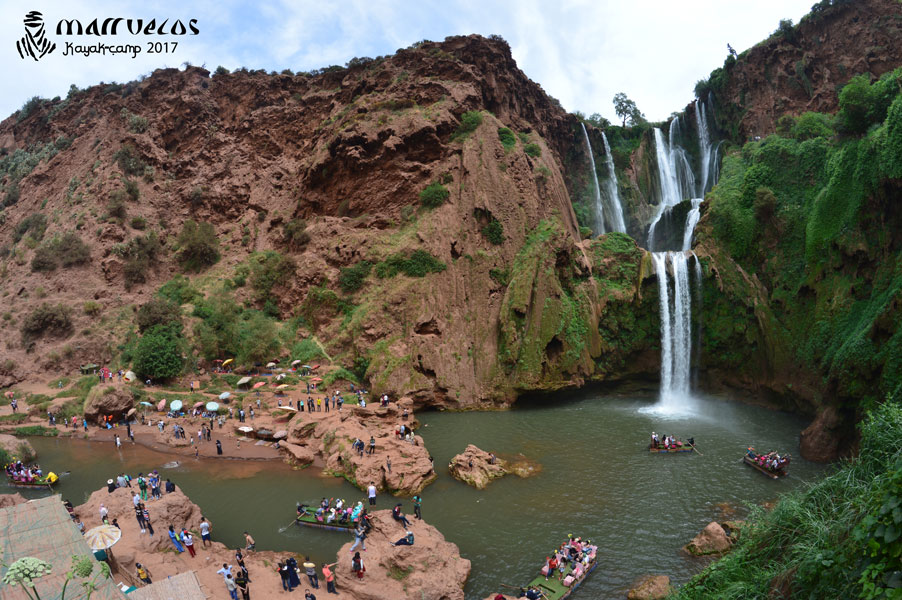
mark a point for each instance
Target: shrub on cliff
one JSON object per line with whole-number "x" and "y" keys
{"x": 198, "y": 246}
{"x": 469, "y": 122}
{"x": 494, "y": 232}
{"x": 294, "y": 234}
{"x": 306, "y": 350}
{"x": 418, "y": 264}
{"x": 47, "y": 320}
{"x": 352, "y": 278}
{"x": 268, "y": 269}
{"x": 34, "y": 224}
{"x": 129, "y": 160}
{"x": 434, "y": 195}
{"x": 507, "y": 137}
{"x": 158, "y": 311}
{"x": 158, "y": 354}
{"x": 139, "y": 253}
{"x": 862, "y": 104}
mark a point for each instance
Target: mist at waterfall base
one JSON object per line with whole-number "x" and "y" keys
{"x": 678, "y": 182}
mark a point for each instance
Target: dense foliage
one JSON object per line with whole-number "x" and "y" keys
{"x": 813, "y": 216}
{"x": 434, "y": 195}
{"x": 198, "y": 246}
{"x": 158, "y": 354}
{"x": 838, "y": 538}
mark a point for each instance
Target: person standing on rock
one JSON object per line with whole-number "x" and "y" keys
{"x": 310, "y": 570}
{"x": 147, "y": 519}
{"x": 371, "y": 493}
{"x": 142, "y": 485}
{"x": 143, "y": 573}
{"x": 329, "y": 576}
{"x": 218, "y": 447}
{"x": 188, "y": 540}
{"x": 230, "y": 585}
{"x": 241, "y": 582}
{"x": 249, "y": 541}
{"x": 417, "y": 503}
{"x": 372, "y": 445}
{"x": 357, "y": 565}
{"x": 359, "y": 536}
{"x": 139, "y": 515}
{"x": 388, "y": 463}
{"x": 175, "y": 540}
{"x": 118, "y": 443}
{"x": 205, "y": 531}
{"x": 103, "y": 512}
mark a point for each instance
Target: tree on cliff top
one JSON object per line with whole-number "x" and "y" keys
{"x": 627, "y": 110}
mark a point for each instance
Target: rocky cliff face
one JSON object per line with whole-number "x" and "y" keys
{"x": 801, "y": 69}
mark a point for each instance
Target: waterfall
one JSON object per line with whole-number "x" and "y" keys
{"x": 691, "y": 221}
{"x": 598, "y": 208}
{"x": 704, "y": 146}
{"x": 615, "y": 209}
{"x": 676, "y": 326}
{"x": 674, "y": 173}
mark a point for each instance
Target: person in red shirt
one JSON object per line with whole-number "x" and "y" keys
{"x": 329, "y": 576}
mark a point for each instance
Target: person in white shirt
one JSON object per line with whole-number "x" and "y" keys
{"x": 371, "y": 494}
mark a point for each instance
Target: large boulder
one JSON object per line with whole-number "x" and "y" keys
{"x": 432, "y": 568}
{"x": 712, "y": 540}
{"x": 301, "y": 455}
{"x": 17, "y": 447}
{"x": 103, "y": 401}
{"x": 650, "y": 587}
{"x": 475, "y": 467}
{"x": 172, "y": 509}
{"x": 824, "y": 438}
{"x": 7, "y": 500}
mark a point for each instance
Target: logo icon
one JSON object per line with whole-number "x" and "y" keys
{"x": 33, "y": 43}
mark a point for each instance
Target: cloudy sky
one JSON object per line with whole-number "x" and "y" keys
{"x": 582, "y": 52}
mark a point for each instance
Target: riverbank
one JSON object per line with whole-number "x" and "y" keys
{"x": 431, "y": 568}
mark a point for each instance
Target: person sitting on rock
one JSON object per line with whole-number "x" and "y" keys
{"x": 398, "y": 516}
{"x": 407, "y": 540}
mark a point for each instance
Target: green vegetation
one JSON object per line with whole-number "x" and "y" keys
{"x": 352, "y": 278}
{"x": 862, "y": 104}
{"x": 158, "y": 311}
{"x": 248, "y": 335}
{"x": 179, "y": 290}
{"x": 129, "y": 160}
{"x": 533, "y": 150}
{"x": 159, "y": 352}
{"x": 507, "y": 137}
{"x": 627, "y": 110}
{"x": 139, "y": 254}
{"x": 812, "y": 218}
{"x": 198, "y": 247}
{"x": 34, "y": 225}
{"x": 418, "y": 263}
{"x": 35, "y": 430}
{"x": 306, "y": 350}
{"x": 49, "y": 320}
{"x": 838, "y": 538}
{"x": 434, "y": 195}
{"x": 269, "y": 269}
{"x": 67, "y": 250}
{"x": 494, "y": 232}
{"x": 469, "y": 122}
{"x": 295, "y": 235}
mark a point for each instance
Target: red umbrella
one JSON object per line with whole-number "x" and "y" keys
{"x": 198, "y": 404}
{"x": 218, "y": 360}
{"x": 314, "y": 367}
{"x": 162, "y": 404}
{"x": 317, "y": 379}
{"x": 259, "y": 384}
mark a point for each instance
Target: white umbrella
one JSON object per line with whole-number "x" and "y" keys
{"x": 280, "y": 376}
{"x": 224, "y": 395}
{"x": 295, "y": 363}
{"x": 130, "y": 376}
{"x": 102, "y": 536}
{"x": 270, "y": 365}
{"x": 244, "y": 380}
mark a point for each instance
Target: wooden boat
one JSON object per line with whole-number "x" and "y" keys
{"x": 772, "y": 474}
{"x": 42, "y": 482}
{"x": 311, "y": 521}
{"x": 554, "y": 589}
{"x": 663, "y": 449}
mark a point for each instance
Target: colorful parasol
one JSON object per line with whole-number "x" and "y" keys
{"x": 161, "y": 405}
{"x": 259, "y": 384}
{"x": 225, "y": 395}
{"x": 175, "y": 405}
{"x": 225, "y": 362}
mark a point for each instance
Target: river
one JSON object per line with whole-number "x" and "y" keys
{"x": 598, "y": 481}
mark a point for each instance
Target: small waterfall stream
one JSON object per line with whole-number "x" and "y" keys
{"x": 615, "y": 208}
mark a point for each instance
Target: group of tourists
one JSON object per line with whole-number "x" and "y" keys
{"x": 21, "y": 473}
{"x": 668, "y": 441}
{"x": 770, "y": 461}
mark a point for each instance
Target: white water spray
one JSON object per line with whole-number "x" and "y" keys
{"x": 615, "y": 209}
{"x": 691, "y": 221}
{"x": 597, "y": 207}
{"x": 674, "y": 173}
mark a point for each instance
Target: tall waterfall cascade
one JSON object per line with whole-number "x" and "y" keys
{"x": 606, "y": 208}
{"x": 613, "y": 195}
{"x": 597, "y": 206}
{"x": 672, "y": 267}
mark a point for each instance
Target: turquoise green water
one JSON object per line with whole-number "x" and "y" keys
{"x": 597, "y": 481}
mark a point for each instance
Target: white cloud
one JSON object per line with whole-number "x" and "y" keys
{"x": 582, "y": 52}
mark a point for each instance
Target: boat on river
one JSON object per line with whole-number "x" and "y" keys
{"x": 38, "y": 482}
{"x": 671, "y": 449}
{"x": 772, "y": 473}
{"x": 558, "y": 589}
{"x": 310, "y": 520}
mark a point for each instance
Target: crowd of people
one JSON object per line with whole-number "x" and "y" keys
{"x": 19, "y": 472}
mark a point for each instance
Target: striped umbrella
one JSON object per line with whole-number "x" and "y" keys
{"x": 102, "y": 536}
